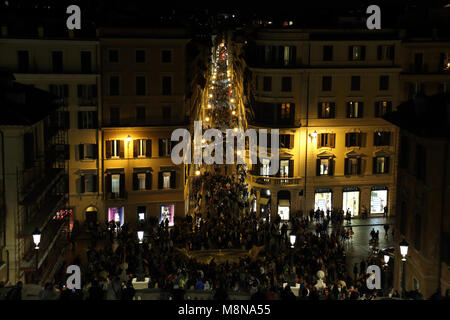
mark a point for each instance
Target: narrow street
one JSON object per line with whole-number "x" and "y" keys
{"x": 220, "y": 111}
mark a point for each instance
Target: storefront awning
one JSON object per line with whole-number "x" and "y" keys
{"x": 379, "y": 188}
{"x": 263, "y": 201}
{"x": 323, "y": 190}
{"x": 284, "y": 203}
{"x": 350, "y": 189}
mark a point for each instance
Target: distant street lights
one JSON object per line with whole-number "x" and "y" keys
{"x": 404, "y": 251}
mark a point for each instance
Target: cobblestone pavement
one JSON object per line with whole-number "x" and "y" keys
{"x": 358, "y": 248}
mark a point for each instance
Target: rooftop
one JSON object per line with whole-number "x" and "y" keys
{"x": 424, "y": 116}
{"x": 22, "y": 104}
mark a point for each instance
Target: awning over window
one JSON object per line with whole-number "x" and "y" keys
{"x": 354, "y": 154}
{"x": 263, "y": 201}
{"x": 284, "y": 203}
{"x": 285, "y": 155}
{"x": 325, "y": 154}
{"x": 382, "y": 153}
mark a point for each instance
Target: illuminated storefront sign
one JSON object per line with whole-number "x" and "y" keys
{"x": 167, "y": 211}
{"x": 351, "y": 200}
{"x": 322, "y": 199}
{"x": 116, "y": 214}
{"x": 378, "y": 199}
{"x": 284, "y": 209}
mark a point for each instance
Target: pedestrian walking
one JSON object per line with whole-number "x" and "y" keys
{"x": 386, "y": 229}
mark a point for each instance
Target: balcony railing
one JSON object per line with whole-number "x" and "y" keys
{"x": 283, "y": 181}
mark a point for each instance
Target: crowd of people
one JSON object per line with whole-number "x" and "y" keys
{"x": 221, "y": 219}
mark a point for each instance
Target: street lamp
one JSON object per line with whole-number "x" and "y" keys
{"x": 36, "y": 240}
{"x": 386, "y": 266}
{"x": 403, "y": 251}
{"x": 292, "y": 238}
{"x": 140, "y": 235}
{"x": 140, "y": 269}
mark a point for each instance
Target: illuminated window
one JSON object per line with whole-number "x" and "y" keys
{"x": 284, "y": 168}
{"x": 326, "y": 110}
{"x": 354, "y": 109}
{"x": 357, "y": 53}
{"x": 285, "y": 110}
{"x": 115, "y": 183}
{"x": 324, "y": 166}
{"x": 265, "y": 163}
{"x": 141, "y": 179}
{"x": 166, "y": 180}
{"x": 382, "y": 107}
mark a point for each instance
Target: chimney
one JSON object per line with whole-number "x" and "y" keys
{"x": 41, "y": 31}
{"x": 4, "y": 30}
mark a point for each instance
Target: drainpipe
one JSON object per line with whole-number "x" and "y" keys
{"x": 4, "y": 203}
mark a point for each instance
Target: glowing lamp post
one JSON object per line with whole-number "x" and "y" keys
{"x": 36, "y": 240}
{"x": 292, "y": 238}
{"x": 403, "y": 251}
{"x": 140, "y": 269}
{"x": 386, "y": 267}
